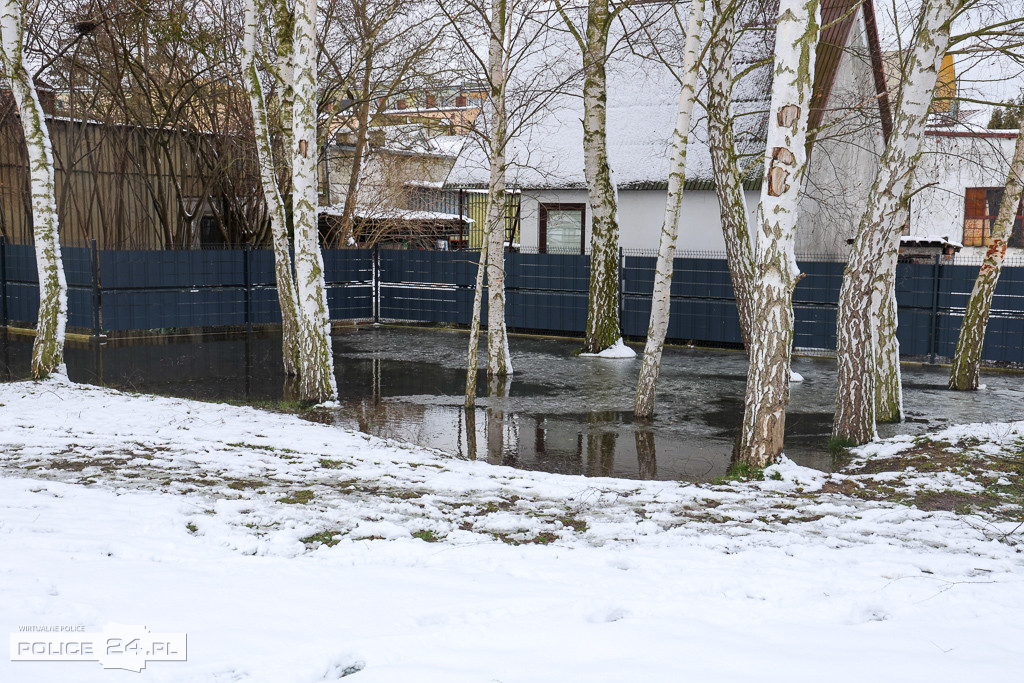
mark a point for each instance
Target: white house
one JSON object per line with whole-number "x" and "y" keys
{"x": 960, "y": 178}
{"x": 642, "y": 100}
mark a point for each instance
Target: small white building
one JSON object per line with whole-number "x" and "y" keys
{"x": 960, "y": 181}
{"x": 643, "y": 94}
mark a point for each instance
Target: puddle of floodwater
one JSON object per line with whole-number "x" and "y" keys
{"x": 558, "y": 413}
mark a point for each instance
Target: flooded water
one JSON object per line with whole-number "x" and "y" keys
{"x": 558, "y": 413}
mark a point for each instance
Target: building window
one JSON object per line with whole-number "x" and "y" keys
{"x": 981, "y": 207}
{"x": 562, "y": 228}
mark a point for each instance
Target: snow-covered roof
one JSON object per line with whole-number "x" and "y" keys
{"x": 642, "y": 100}
{"x": 390, "y": 213}
{"x": 929, "y": 241}
{"x": 643, "y": 96}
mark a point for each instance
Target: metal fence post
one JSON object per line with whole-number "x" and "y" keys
{"x": 622, "y": 289}
{"x": 933, "y": 335}
{"x": 375, "y": 270}
{"x": 3, "y": 281}
{"x": 247, "y": 274}
{"x": 97, "y": 300}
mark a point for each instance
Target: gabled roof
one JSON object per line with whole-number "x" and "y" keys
{"x": 643, "y": 96}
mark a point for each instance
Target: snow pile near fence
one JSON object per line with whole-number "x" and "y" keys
{"x": 296, "y": 551}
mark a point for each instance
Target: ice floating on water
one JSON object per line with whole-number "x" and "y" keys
{"x": 795, "y": 376}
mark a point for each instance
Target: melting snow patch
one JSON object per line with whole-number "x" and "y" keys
{"x": 616, "y": 350}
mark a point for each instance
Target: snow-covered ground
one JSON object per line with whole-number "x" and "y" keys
{"x": 294, "y": 551}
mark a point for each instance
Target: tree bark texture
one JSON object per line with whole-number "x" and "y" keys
{"x": 857, "y": 341}
{"x": 739, "y": 249}
{"x": 316, "y": 376}
{"x": 966, "y": 370}
{"x": 48, "y": 347}
{"x": 888, "y": 374}
{"x": 474, "y": 329}
{"x": 499, "y": 360}
{"x": 643, "y": 403}
{"x": 603, "y": 305}
{"x": 271, "y": 193}
{"x": 768, "y": 373}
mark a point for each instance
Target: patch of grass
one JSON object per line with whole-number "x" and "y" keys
{"x": 740, "y": 471}
{"x": 951, "y": 501}
{"x": 326, "y": 538}
{"x": 577, "y": 525}
{"x": 501, "y": 505}
{"x": 333, "y": 464}
{"x": 426, "y": 535}
{"x": 243, "y": 484}
{"x": 276, "y": 450}
{"x": 192, "y": 528}
{"x": 775, "y": 476}
{"x": 543, "y": 538}
{"x": 298, "y": 497}
{"x": 840, "y": 445}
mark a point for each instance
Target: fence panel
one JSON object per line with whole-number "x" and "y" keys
{"x": 427, "y": 267}
{"x": 162, "y": 290}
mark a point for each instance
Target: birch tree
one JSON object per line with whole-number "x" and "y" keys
{"x": 964, "y": 374}
{"x": 725, "y": 160}
{"x": 643, "y": 404}
{"x": 48, "y": 347}
{"x": 303, "y": 296}
{"x": 524, "y": 71}
{"x": 872, "y": 261}
{"x": 499, "y": 360}
{"x": 268, "y": 178}
{"x": 776, "y": 272}
{"x": 603, "y": 329}
{"x": 316, "y": 362}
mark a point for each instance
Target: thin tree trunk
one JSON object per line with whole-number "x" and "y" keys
{"x": 474, "y": 329}
{"x": 966, "y": 370}
{"x": 362, "y": 135}
{"x": 739, "y": 248}
{"x": 857, "y": 341}
{"x": 272, "y": 195}
{"x": 48, "y": 347}
{"x": 768, "y": 374}
{"x": 603, "y": 304}
{"x": 316, "y": 374}
{"x": 643, "y": 403}
{"x": 499, "y": 360}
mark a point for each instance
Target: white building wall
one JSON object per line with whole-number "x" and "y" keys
{"x": 640, "y": 216}
{"x": 948, "y": 166}
{"x": 845, "y": 156}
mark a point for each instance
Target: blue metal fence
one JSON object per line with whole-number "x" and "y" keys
{"x": 113, "y": 291}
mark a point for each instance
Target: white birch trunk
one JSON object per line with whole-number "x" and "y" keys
{"x": 878, "y": 233}
{"x": 966, "y": 370}
{"x": 888, "y": 373}
{"x": 499, "y": 360}
{"x": 768, "y": 374}
{"x": 316, "y": 375}
{"x": 643, "y": 404}
{"x": 272, "y": 195}
{"x": 739, "y": 247}
{"x": 603, "y": 304}
{"x": 48, "y": 348}
{"x": 474, "y": 330}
